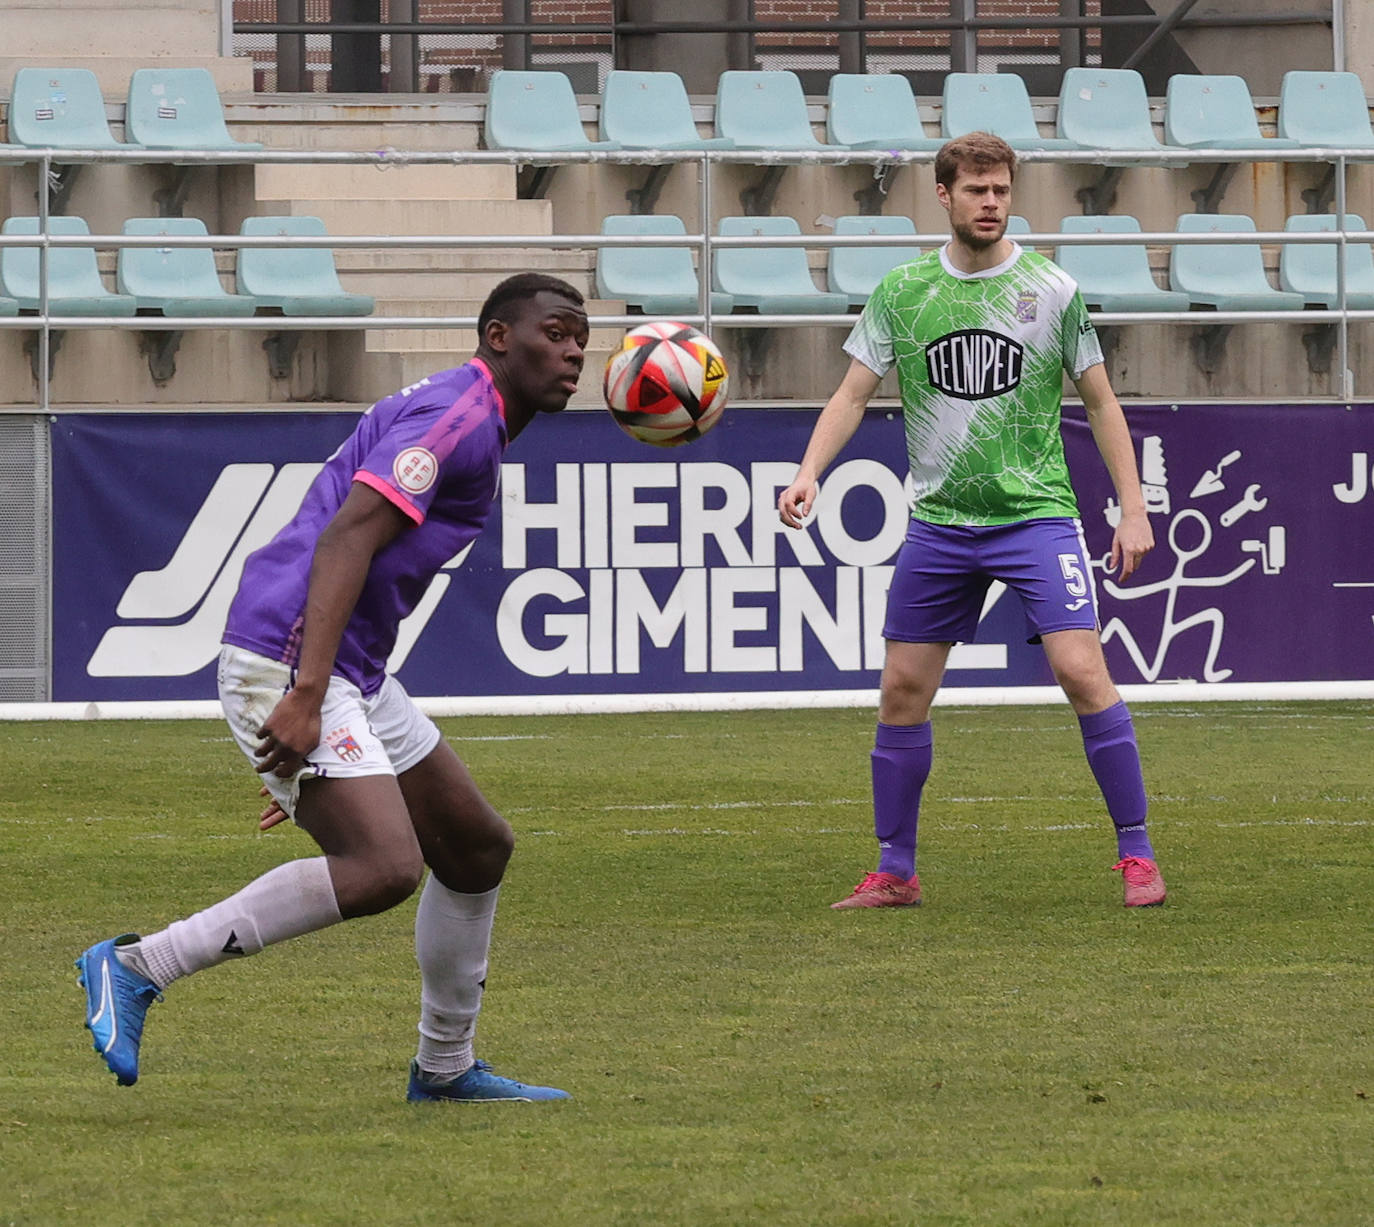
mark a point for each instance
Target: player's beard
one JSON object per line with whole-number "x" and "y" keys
{"x": 976, "y": 241}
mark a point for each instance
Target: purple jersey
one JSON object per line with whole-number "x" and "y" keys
{"x": 434, "y": 450}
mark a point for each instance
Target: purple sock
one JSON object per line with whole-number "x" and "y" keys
{"x": 1109, "y": 739}
{"x": 901, "y": 765}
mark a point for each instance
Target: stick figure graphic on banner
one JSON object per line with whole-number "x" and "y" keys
{"x": 1190, "y": 536}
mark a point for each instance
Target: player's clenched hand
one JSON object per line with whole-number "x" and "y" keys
{"x": 795, "y": 503}
{"x": 288, "y": 734}
{"x": 273, "y": 814}
{"x": 1133, "y": 539}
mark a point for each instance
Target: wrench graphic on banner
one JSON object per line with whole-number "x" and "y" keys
{"x": 1250, "y": 502}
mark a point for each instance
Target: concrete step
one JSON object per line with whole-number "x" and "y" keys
{"x": 32, "y": 25}
{"x": 399, "y": 217}
{"x": 282, "y": 181}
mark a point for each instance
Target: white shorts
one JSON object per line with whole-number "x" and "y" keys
{"x": 382, "y": 735}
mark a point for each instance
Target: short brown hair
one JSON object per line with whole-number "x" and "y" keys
{"x": 973, "y": 152}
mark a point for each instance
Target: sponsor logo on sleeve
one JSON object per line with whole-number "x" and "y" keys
{"x": 415, "y": 469}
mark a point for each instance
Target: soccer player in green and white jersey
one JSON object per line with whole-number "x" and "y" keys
{"x": 980, "y": 333}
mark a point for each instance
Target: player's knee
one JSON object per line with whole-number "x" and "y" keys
{"x": 386, "y": 881}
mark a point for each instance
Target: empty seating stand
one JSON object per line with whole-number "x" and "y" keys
{"x": 651, "y": 110}
{"x": 60, "y": 108}
{"x": 74, "y": 284}
{"x": 654, "y": 280}
{"x": 772, "y": 280}
{"x": 763, "y": 110}
{"x": 996, "y": 103}
{"x": 1329, "y": 110}
{"x": 175, "y": 281}
{"x": 293, "y": 280}
{"x": 1223, "y": 276}
{"x": 1214, "y": 112}
{"x": 178, "y": 108}
{"x": 1114, "y": 277}
{"x": 535, "y": 111}
{"x": 1106, "y": 109}
{"x": 875, "y": 111}
{"x": 856, "y": 271}
{"x": 1310, "y": 269}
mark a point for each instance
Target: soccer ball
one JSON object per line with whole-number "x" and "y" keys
{"x": 666, "y": 384}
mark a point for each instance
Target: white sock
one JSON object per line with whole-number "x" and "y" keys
{"x": 452, "y": 937}
{"x": 285, "y": 902}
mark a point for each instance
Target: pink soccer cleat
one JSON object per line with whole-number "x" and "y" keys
{"x": 1141, "y": 882}
{"x": 883, "y": 890}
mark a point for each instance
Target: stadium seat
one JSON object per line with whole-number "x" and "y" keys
{"x": 295, "y": 280}
{"x": 1106, "y": 108}
{"x": 875, "y": 111}
{"x": 996, "y": 103}
{"x": 1214, "y": 112}
{"x": 8, "y": 306}
{"x": 657, "y": 280}
{"x": 61, "y": 108}
{"x": 1309, "y": 269}
{"x": 774, "y": 280}
{"x": 1016, "y": 224}
{"x": 1114, "y": 277}
{"x": 763, "y": 110}
{"x": 651, "y": 110}
{"x": 74, "y": 285}
{"x": 856, "y": 271}
{"x": 1325, "y": 108}
{"x": 178, "y": 108}
{"x": 1227, "y": 276}
{"x": 534, "y": 110}
{"x": 175, "y": 280}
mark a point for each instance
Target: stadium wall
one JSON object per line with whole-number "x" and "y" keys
{"x": 618, "y": 578}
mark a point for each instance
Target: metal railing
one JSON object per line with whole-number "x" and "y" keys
{"x": 703, "y": 242}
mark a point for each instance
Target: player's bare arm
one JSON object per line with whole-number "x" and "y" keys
{"x": 1133, "y": 538}
{"x": 363, "y": 525}
{"x": 834, "y": 428}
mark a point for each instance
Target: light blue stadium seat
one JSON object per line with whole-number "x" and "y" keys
{"x": 178, "y": 108}
{"x": 1214, "y": 112}
{"x": 997, "y": 103}
{"x": 774, "y": 280}
{"x": 534, "y": 110}
{"x": 856, "y": 271}
{"x": 1114, "y": 278}
{"x": 295, "y": 280}
{"x": 1309, "y": 269}
{"x": 657, "y": 280}
{"x": 74, "y": 285}
{"x": 59, "y": 107}
{"x": 1106, "y": 108}
{"x": 875, "y": 111}
{"x": 1325, "y": 108}
{"x": 651, "y": 110}
{"x": 763, "y": 110}
{"x": 8, "y": 306}
{"x": 1016, "y": 224}
{"x": 175, "y": 280}
{"x": 1227, "y": 276}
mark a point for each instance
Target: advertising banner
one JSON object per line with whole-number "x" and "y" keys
{"x": 613, "y": 568}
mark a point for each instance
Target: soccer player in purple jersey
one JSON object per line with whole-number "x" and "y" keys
{"x": 340, "y": 746}
{"x": 980, "y": 334}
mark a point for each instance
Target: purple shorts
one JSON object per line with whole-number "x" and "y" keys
{"x": 943, "y": 573}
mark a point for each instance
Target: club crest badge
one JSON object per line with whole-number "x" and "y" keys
{"x": 1027, "y": 304}
{"x": 344, "y": 744}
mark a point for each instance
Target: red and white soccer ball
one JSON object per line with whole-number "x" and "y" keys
{"x": 666, "y": 384}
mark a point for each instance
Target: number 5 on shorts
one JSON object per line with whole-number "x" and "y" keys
{"x": 1075, "y": 582}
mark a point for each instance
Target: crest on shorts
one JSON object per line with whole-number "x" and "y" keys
{"x": 344, "y": 744}
{"x": 1027, "y": 303}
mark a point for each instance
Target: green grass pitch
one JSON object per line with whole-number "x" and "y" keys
{"x": 1020, "y": 1050}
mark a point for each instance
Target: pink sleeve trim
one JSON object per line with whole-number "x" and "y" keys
{"x": 389, "y": 493}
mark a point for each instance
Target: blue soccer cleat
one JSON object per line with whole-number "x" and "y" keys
{"x": 477, "y": 1085}
{"x": 117, "y": 1000}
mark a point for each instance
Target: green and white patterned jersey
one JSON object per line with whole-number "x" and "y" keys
{"x": 980, "y": 360}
